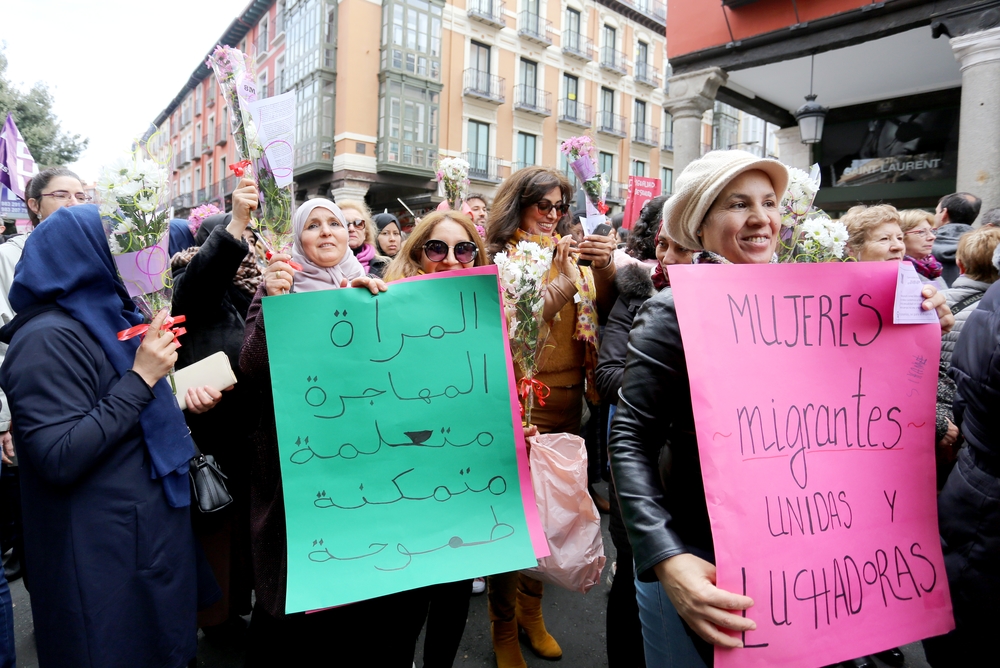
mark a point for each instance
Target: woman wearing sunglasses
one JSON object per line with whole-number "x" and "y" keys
{"x": 361, "y": 232}
{"x": 528, "y": 206}
{"x": 442, "y": 241}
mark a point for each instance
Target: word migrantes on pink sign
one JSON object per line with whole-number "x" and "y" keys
{"x": 815, "y": 423}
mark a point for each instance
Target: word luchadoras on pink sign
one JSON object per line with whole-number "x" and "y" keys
{"x": 815, "y": 422}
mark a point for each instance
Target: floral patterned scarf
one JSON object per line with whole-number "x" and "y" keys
{"x": 586, "y": 329}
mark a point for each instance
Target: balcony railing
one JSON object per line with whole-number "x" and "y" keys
{"x": 221, "y": 135}
{"x": 483, "y": 167}
{"x": 484, "y": 86}
{"x": 705, "y": 148}
{"x": 185, "y": 157}
{"x": 575, "y": 113}
{"x": 202, "y": 196}
{"x": 668, "y": 141}
{"x": 576, "y": 45}
{"x": 612, "y": 60}
{"x": 207, "y": 143}
{"x": 617, "y": 192}
{"x": 646, "y": 74}
{"x": 534, "y": 28}
{"x": 515, "y": 166}
{"x": 229, "y": 185}
{"x": 643, "y": 133}
{"x": 610, "y": 124}
{"x": 533, "y": 100}
{"x": 652, "y": 8}
{"x": 490, "y": 12}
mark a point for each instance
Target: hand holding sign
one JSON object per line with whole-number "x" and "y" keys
{"x": 690, "y": 583}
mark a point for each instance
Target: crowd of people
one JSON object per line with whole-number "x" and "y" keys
{"x": 122, "y": 571}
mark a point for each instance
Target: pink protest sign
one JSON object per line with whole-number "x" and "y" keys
{"x": 143, "y": 271}
{"x": 815, "y": 422}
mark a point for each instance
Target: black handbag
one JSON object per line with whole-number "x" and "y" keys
{"x": 208, "y": 483}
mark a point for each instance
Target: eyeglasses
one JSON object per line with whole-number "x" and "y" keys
{"x": 64, "y": 195}
{"x": 544, "y": 206}
{"x": 357, "y": 224}
{"x": 923, "y": 233}
{"x": 437, "y": 250}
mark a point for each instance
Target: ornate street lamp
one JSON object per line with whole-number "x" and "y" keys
{"x": 811, "y": 115}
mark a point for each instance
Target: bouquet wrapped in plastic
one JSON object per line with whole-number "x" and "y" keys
{"x": 522, "y": 280}
{"x": 235, "y": 73}
{"x": 453, "y": 175}
{"x": 579, "y": 152}
{"x": 132, "y": 192}
{"x": 807, "y": 233}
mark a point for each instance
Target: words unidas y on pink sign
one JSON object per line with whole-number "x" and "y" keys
{"x": 815, "y": 422}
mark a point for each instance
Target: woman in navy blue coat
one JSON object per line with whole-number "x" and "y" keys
{"x": 104, "y": 454}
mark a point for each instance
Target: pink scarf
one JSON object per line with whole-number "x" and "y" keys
{"x": 929, "y": 267}
{"x": 365, "y": 253}
{"x": 312, "y": 276}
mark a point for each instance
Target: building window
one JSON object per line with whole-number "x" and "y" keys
{"x": 607, "y": 100}
{"x": 640, "y": 112}
{"x": 314, "y": 123}
{"x": 573, "y": 22}
{"x": 197, "y": 100}
{"x": 262, "y": 90}
{"x": 638, "y": 168}
{"x": 606, "y": 164}
{"x": 725, "y": 126}
{"x": 610, "y": 37}
{"x": 209, "y": 175}
{"x": 529, "y": 75}
{"x": 279, "y": 18}
{"x": 479, "y": 57}
{"x": 262, "y": 36}
{"x": 411, "y": 37}
{"x": 642, "y": 54}
{"x": 479, "y": 145}
{"x": 667, "y": 180}
{"x": 408, "y": 123}
{"x": 525, "y": 150}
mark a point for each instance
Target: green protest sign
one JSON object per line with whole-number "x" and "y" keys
{"x": 396, "y": 438}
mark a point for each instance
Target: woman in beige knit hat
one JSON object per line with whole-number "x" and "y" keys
{"x": 726, "y": 207}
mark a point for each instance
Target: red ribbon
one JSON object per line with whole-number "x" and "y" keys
{"x": 168, "y": 325}
{"x": 239, "y": 167}
{"x": 602, "y": 207}
{"x": 291, "y": 263}
{"x": 529, "y": 385}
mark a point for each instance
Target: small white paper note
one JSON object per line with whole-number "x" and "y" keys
{"x": 907, "y": 308}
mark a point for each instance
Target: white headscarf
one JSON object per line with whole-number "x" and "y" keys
{"x": 312, "y": 276}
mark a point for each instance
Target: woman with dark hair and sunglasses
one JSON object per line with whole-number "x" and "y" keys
{"x": 527, "y": 207}
{"x": 442, "y": 241}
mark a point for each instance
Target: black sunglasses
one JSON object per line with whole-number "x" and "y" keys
{"x": 437, "y": 250}
{"x": 544, "y": 206}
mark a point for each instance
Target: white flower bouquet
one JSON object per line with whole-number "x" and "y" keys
{"x": 132, "y": 192}
{"x": 453, "y": 175}
{"x": 522, "y": 279}
{"x": 808, "y": 234}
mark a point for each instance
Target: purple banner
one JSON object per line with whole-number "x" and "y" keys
{"x": 143, "y": 271}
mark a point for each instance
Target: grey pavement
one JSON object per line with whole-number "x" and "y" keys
{"x": 576, "y": 620}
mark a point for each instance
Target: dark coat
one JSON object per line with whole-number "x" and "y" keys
{"x": 969, "y": 504}
{"x": 655, "y": 412}
{"x": 635, "y": 286}
{"x": 216, "y": 311}
{"x": 946, "y": 247}
{"x": 113, "y": 565}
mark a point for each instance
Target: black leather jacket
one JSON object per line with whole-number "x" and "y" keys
{"x": 664, "y": 517}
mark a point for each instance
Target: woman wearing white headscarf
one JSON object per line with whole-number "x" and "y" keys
{"x": 324, "y": 262}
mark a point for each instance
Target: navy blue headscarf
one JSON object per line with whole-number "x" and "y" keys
{"x": 67, "y": 262}
{"x": 180, "y": 236}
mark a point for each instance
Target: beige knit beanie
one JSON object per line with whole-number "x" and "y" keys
{"x": 700, "y": 184}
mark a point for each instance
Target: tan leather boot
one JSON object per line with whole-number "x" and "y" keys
{"x": 506, "y": 646}
{"x": 528, "y": 612}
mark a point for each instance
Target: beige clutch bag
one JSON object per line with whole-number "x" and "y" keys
{"x": 214, "y": 371}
